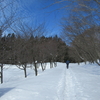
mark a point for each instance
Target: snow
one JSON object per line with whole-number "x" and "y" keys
{"x": 79, "y": 82}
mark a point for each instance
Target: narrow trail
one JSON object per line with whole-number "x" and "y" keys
{"x": 73, "y": 90}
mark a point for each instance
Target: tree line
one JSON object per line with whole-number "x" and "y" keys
{"x": 14, "y": 49}
{"x": 22, "y": 51}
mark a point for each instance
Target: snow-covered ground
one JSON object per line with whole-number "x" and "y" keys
{"x": 79, "y": 82}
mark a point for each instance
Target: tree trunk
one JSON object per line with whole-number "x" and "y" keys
{"x": 42, "y": 67}
{"x": 36, "y": 72}
{"x": 1, "y": 73}
{"x": 51, "y": 64}
{"x": 55, "y": 64}
{"x": 97, "y": 63}
{"x": 25, "y": 73}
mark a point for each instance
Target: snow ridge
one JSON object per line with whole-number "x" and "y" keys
{"x": 71, "y": 92}
{"x": 61, "y": 86}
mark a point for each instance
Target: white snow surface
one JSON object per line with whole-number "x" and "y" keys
{"x": 79, "y": 82}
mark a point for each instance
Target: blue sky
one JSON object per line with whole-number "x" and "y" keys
{"x": 38, "y": 14}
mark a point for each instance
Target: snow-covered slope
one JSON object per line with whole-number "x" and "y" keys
{"x": 79, "y": 82}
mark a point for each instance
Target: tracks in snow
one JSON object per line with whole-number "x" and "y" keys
{"x": 73, "y": 89}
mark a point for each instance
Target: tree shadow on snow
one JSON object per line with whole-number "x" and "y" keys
{"x": 4, "y": 91}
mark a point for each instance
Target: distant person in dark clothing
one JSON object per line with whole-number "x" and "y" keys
{"x": 67, "y": 64}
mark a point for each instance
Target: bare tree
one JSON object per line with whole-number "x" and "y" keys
{"x": 8, "y": 16}
{"x": 22, "y": 55}
{"x": 83, "y": 39}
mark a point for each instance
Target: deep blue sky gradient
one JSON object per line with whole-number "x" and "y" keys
{"x": 39, "y": 12}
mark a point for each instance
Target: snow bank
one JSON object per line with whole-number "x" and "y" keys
{"x": 86, "y": 80}
{"x": 79, "y": 82}
{"x": 47, "y": 86}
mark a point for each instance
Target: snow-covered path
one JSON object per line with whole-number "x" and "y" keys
{"x": 82, "y": 83}
{"x": 79, "y": 82}
{"x": 69, "y": 87}
{"x": 73, "y": 89}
